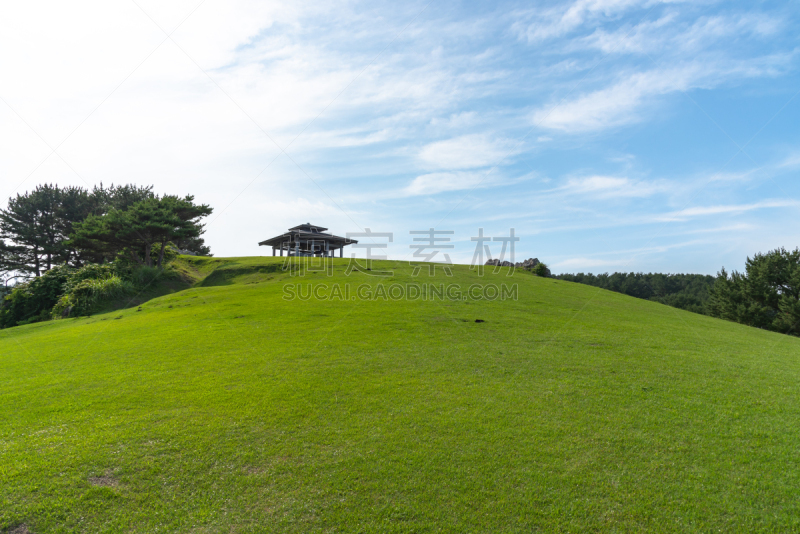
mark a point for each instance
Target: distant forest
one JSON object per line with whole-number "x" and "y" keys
{"x": 685, "y": 291}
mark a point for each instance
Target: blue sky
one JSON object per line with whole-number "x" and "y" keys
{"x": 610, "y": 134}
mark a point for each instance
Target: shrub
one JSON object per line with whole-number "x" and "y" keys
{"x": 83, "y": 297}
{"x": 540, "y": 269}
{"x": 92, "y": 285}
{"x": 64, "y": 292}
{"x": 31, "y": 301}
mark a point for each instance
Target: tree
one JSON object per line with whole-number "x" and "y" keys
{"x": 184, "y": 227}
{"x": 10, "y": 257}
{"x": 685, "y": 291}
{"x": 119, "y": 197}
{"x": 37, "y": 224}
{"x": 74, "y": 205}
{"x": 134, "y": 232}
{"x": 766, "y": 295}
{"x": 29, "y": 222}
{"x": 193, "y": 244}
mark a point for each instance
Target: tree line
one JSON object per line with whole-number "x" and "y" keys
{"x": 685, "y": 291}
{"x": 766, "y": 295}
{"x": 52, "y": 226}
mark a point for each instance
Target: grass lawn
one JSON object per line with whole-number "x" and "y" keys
{"x": 226, "y": 408}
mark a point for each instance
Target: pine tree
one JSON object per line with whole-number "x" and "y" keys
{"x": 135, "y": 231}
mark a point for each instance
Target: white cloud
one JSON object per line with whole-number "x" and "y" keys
{"x": 404, "y": 126}
{"x": 556, "y": 22}
{"x": 687, "y": 52}
{"x": 616, "y": 104}
{"x": 439, "y": 182}
{"x": 641, "y": 38}
{"x": 468, "y": 151}
{"x": 792, "y": 160}
{"x": 622, "y": 102}
{"x": 671, "y": 35}
{"x": 456, "y": 120}
{"x": 611, "y": 186}
{"x": 702, "y": 211}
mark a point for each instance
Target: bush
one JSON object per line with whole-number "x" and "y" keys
{"x": 540, "y": 269}
{"x": 84, "y": 296}
{"x": 94, "y": 285}
{"x": 31, "y": 301}
{"x": 66, "y": 292}
{"x": 90, "y": 286}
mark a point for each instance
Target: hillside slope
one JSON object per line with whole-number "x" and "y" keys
{"x": 225, "y": 407}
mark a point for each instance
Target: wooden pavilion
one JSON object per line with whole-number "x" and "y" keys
{"x": 308, "y": 240}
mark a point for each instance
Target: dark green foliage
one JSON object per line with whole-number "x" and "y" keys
{"x": 67, "y": 292}
{"x": 193, "y": 244}
{"x": 30, "y": 223}
{"x": 92, "y": 285}
{"x": 540, "y": 269}
{"x": 766, "y": 295}
{"x": 685, "y": 291}
{"x": 36, "y": 225}
{"x": 135, "y": 231}
{"x": 10, "y": 258}
{"x": 105, "y": 224}
{"x": 95, "y": 271}
{"x": 120, "y": 197}
{"x": 32, "y": 301}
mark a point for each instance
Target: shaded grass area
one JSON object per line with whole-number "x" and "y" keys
{"x": 224, "y": 407}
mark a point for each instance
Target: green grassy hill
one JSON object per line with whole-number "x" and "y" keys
{"x": 225, "y": 408}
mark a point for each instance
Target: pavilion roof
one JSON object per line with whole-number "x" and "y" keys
{"x": 307, "y": 232}
{"x": 308, "y": 227}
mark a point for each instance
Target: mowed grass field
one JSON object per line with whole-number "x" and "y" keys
{"x": 226, "y": 408}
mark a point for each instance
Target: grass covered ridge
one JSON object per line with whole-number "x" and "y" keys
{"x": 224, "y": 407}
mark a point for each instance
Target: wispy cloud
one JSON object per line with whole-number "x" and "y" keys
{"x": 468, "y": 151}
{"x": 611, "y": 186}
{"x": 622, "y": 258}
{"x": 623, "y": 101}
{"x": 671, "y": 35}
{"x": 704, "y": 211}
{"x": 549, "y": 23}
{"x": 397, "y": 114}
{"x": 440, "y": 182}
{"x": 791, "y": 161}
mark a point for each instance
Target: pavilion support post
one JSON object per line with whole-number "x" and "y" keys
{"x": 273, "y": 251}
{"x": 341, "y": 252}
{"x": 281, "y": 249}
